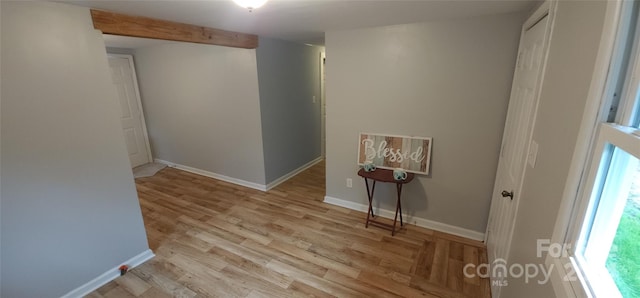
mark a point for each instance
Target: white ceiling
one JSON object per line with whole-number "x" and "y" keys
{"x": 306, "y": 20}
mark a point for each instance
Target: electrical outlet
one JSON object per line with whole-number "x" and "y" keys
{"x": 349, "y": 183}
{"x": 314, "y": 99}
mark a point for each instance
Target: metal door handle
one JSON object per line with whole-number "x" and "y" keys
{"x": 507, "y": 194}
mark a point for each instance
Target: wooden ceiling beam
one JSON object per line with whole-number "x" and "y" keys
{"x": 126, "y": 25}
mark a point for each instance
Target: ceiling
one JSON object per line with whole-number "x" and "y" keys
{"x": 126, "y": 42}
{"x": 306, "y": 20}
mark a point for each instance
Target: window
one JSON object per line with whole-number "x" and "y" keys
{"x": 623, "y": 261}
{"x": 604, "y": 236}
{"x": 606, "y": 250}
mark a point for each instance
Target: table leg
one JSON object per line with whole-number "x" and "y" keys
{"x": 373, "y": 189}
{"x": 398, "y": 209}
{"x": 395, "y": 218}
{"x": 370, "y": 197}
{"x": 399, "y": 187}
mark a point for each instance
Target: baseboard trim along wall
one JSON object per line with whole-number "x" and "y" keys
{"x": 421, "y": 222}
{"x": 213, "y": 175}
{"x": 293, "y": 173}
{"x": 261, "y": 187}
{"x": 109, "y": 275}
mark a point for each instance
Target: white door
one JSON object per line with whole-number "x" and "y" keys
{"x": 515, "y": 143}
{"x": 131, "y": 117}
{"x": 323, "y": 105}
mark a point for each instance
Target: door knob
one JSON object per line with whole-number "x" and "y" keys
{"x": 507, "y": 194}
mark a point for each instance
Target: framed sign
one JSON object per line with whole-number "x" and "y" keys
{"x": 413, "y": 154}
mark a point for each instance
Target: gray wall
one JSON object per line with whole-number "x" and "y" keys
{"x": 449, "y": 80}
{"x": 572, "y": 56}
{"x": 69, "y": 206}
{"x": 202, "y": 107}
{"x": 0, "y": 162}
{"x": 289, "y": 77}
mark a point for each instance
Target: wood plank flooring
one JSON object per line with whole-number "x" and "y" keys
{"x": 215, "y": 239}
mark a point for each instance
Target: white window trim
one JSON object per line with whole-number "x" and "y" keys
{"x": 567, "y": 279}
{"x": 605, "y": 223}
{"x": 618, "y": 136}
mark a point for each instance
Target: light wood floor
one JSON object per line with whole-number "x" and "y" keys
{"x": 215, "y": 239}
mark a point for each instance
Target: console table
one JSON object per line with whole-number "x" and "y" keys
{"x": 383, "y": 175}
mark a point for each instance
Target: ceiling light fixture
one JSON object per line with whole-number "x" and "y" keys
{"x": 250, "y": 4}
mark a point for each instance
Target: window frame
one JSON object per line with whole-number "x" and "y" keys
{"x": 610, "y": 136}
{"x": 571, "y": 277}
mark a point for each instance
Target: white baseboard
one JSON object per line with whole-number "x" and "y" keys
{"x": 421, "y": 222}
{"x": 213, "y": 175}
{"x": 109, "y": 275}
{"x": 293, "y": 173}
